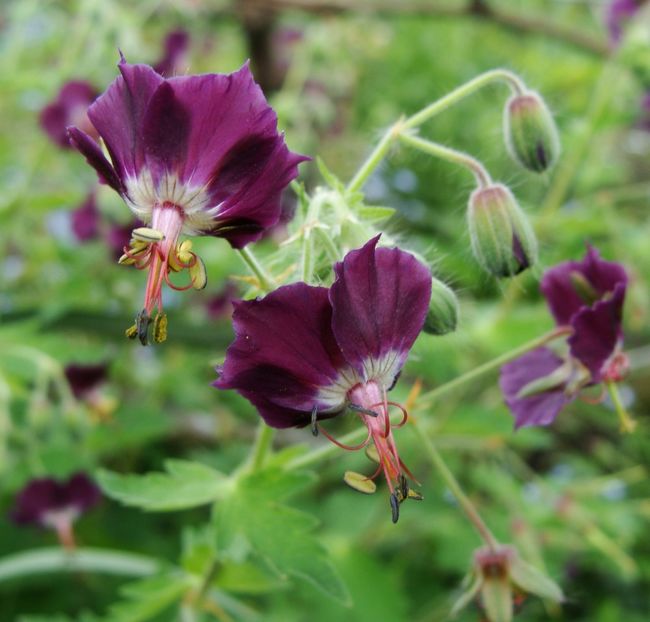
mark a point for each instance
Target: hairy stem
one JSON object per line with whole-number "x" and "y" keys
{"x": 262, "y": 446}
{"x": 266, "y": 282}
{"x": 483, "y": 178}
{"x": 452, "y": 483}
{"x": 489, "y": 77}
{"x": 375, "y": 158}
{"x": 452, "y": 385}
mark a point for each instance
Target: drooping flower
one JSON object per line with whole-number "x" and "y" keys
{"x": 303, "y": 353}
{"x": 175, "y": 48}
{"x": 587, "y": 296}
{"x": 85, "y": 219}
{"x": 500, "y": 581}
{"x": 199, "y": 155}
{"x": 69, "y": 108}
{"x": 56, "y": 505}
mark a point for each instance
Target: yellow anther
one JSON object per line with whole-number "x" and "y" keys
{"x": 160, "y": 328}
{"x": 174, "y": 262}
{"x": 359, "y": 482}
{"x": 198, "y": 274}
{"x": 125, "y": 260}
{"x": 372, "y": 453}
{"x": 145, "y": 234}
{"x": 131, "y": 332}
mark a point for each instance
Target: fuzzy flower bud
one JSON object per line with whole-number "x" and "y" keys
{"x": 503, "y": 241}
{"x": 530, "y": 133}
{"x": 442, "y": 316}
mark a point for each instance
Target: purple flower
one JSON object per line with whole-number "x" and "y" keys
{"x": 56, "y": 505}
{"x": 69, "y": 108}
{"x": 85, "y": 219}
{"x": 586, "y": 296}
{"x": 84, "y": 379}
{"x": 618, "y": 13}
{"x": 174, "y": 52}
{"x": 195, "y": 154}
{"x": 305, "y": 353}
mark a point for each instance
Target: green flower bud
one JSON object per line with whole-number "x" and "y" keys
{"x": 531, "y": 136}
{"x": 502, "y": 239}
{"x": 442, "y": 317}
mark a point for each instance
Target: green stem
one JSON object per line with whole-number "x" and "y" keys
{"x": 327, "y": 451}
{"x": 208, "y": 578}
{"x": 452, "y": 483}
{"x": 374, "y": 159}
{"x": 627, "y": 423}
{"x": 450, "y": 155}
{"x": 396, "y": 130}
{"x": 262, "y": 446}
{"x": 266, "y": 282}
{"x": 327, "y": 243}
{"x": 481, "y": 370}
{"x": 495, "y": 75}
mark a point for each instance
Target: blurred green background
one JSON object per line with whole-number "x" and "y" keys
{"x": 573, "y": 497}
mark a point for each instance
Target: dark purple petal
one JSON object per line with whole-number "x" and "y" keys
{"x": 165, "y": 132}
{"x": 284, "y": 352}
{"x": 39, "y": 496}
{"x": 597, "y": 332}
{"x": 85, "y": 378}
{"x": 85, "y": 219}
{"x": 560, "y": 290}
{"x": 226, "y": 109}
{"x": 539, "y": 409}
{"x": 45, "y": 495}
{"x": 81, "y": 492}
{"x": 54, "y": 120}
{"x": 69, "y": 108}
{"x": 249, "y": 185}
{"x": 380, "y": 300}
{"x": 94, "y": 156}
{"x": 119, "y": 116}
{"x": 174, "y": 49}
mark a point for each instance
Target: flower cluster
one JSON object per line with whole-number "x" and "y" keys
{"x": 586, "y": 296}
{"x": 303, "y": 353}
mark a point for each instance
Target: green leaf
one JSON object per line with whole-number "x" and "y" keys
{"x": 148, "y": 597}
{"x": 279, "y": 534}
{"x": 185, "y": 485}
